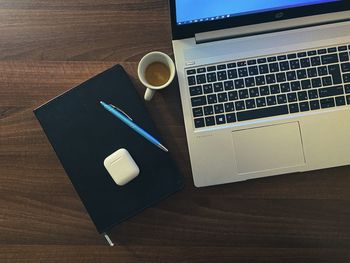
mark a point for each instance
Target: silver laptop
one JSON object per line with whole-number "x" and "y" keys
{"x": 265, "y": 86}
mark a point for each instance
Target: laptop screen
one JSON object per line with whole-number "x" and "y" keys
{"x": 195, "y": 11}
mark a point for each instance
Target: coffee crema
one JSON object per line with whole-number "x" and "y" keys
{"x": 157, "y": 74}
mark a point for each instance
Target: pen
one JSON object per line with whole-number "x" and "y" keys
{"x": 129, "y": 122}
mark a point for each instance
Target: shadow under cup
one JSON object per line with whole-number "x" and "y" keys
{"x": 145, "y": 62}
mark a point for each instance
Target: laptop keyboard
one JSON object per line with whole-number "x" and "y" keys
{"x": 270, "y": 86}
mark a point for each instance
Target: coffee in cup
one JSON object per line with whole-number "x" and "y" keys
{"x": 156, "y": 71}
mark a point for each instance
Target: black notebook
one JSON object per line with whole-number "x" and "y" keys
{"x": 83, "y": 134}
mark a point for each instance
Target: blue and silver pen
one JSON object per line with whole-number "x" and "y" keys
{"x": 129, "y": 122}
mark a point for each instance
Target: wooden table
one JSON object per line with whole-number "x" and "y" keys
{"x": 47, "y": 47}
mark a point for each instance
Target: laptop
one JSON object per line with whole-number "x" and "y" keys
{"x": 264, "y": 85}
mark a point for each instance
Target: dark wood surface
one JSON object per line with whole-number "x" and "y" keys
{"x": 47, "y": 47}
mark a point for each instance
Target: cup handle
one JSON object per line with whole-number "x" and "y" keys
{"x": 149, "y": 94}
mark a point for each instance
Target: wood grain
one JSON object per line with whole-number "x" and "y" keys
{"x": 47, "y": 47}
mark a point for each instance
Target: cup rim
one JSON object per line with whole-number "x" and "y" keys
{"x": 171, "y": 65}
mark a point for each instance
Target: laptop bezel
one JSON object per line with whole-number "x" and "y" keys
{"x": 189, "y": 30}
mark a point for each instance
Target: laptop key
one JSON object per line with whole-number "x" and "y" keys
{"x": 282, "y": 99}
{"x": 211, "y": 77}
{"x": 199, "y": 122}
{"x": 240, "y": 105}
{"x": 315, "y": 105}
{"x": 221, "y": 67}
{"x": 331, "y": 91}
{"x": 250, "y": 104}
{"x": 249, "y": 82}
{"x": 271, "y": 78}
{"x": 348, "y": 99}
{"x": 199, "y": 101}
{"x": 201, "y": 79}
{"x": 263, "y": 69}
{"x": 228, "y": 85}
{"x": 191, "y": 80}
{"x": 275, "y": 89}
{"x": 220, "y": 119}
{"x": 346, "y": 78}
{"x": 218, "y": 86}
{"x": 243, "y": 94}
{"x": 294, "y": 108}
{"x": 327, "y": 103}
{"x": 208, "y": 88}
{"x": 222, "y": 75}
{"x": 284, "y": 66}
{"x": 212, "y": 99}
{"x": 306, "y": 84}
{"x": 281, "y": 77}
{"x": 197, "y": 112}
{"x": 229, "y": 107}
{"x": 260, "y": 80}
{"x": 322, "y": 71}
{"x": 295, "y": 85}
{"x": 302, "y": 95}
{"x": 334, "y": 70}
{"x": 218, "y": 108}
{"x": 201, "y": 70}
{"x": 340, "y": 101}
{"x": 253, "y": 70}
{"x": 315, "y": 61}
{"x": 271, "y": 100}
{"x": 262, "y": 113}
{"x": 196, "y": 90}
{"x": 274, "y": 67}
{"x": 326, "y": 81}
{"x": 211, "y": 68}
{"x": 291, "y": 75}
{"x": 251, "y": 62}
{"x": 191, "y": 71}
{"x": 239, "y": 83}
{"x": 305, "y": 63}
{"x": 329, "y": 59}
{"x": 304, "y": 106}
{"x": 332, "y": 49}
{"x": 285, "y": 87}
{"x": 208, "y": 110}
{"x": 347, "y": 88}
{"x": 254, "y": 92}
{"x": 233, "y": 95}
{"x": 264, "y": 90}
{"x": 316, "y": 82}
{"x": 232, "y": 74}
{"x": 301, "y": 73}
{"x": 292, "y": 97}
{"x": 313, "y": 94}
{"x": 294, "y": 64}
{"x": 262, "y": 60}
{"x": 312, "y": 72}
{"x": 344, "y": 56}
{"x": 209, "y": 121}
{"x": 231, "y": 118}
{"x": 222, "y": 97}
{"x": 345, "y": 67}
{"x": 243, "y": 72}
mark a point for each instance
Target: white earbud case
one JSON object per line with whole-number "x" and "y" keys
{"x": 121, "y": 166}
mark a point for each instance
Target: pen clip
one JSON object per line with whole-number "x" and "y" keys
{"x": 126, "y": 115}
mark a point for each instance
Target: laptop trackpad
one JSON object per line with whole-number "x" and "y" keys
{"x": 268, "y": 148}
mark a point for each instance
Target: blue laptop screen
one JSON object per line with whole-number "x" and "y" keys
{"x": 193, "y": 11}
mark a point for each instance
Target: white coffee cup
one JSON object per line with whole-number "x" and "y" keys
{"x": 147, "y": 60}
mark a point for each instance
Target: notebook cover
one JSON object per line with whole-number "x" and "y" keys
{"x": 83, "y": 134}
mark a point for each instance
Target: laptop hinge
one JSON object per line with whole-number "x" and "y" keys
{"x": 270, "y": 27}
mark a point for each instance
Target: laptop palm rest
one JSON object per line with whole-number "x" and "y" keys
{"x": 268, "y": 148}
